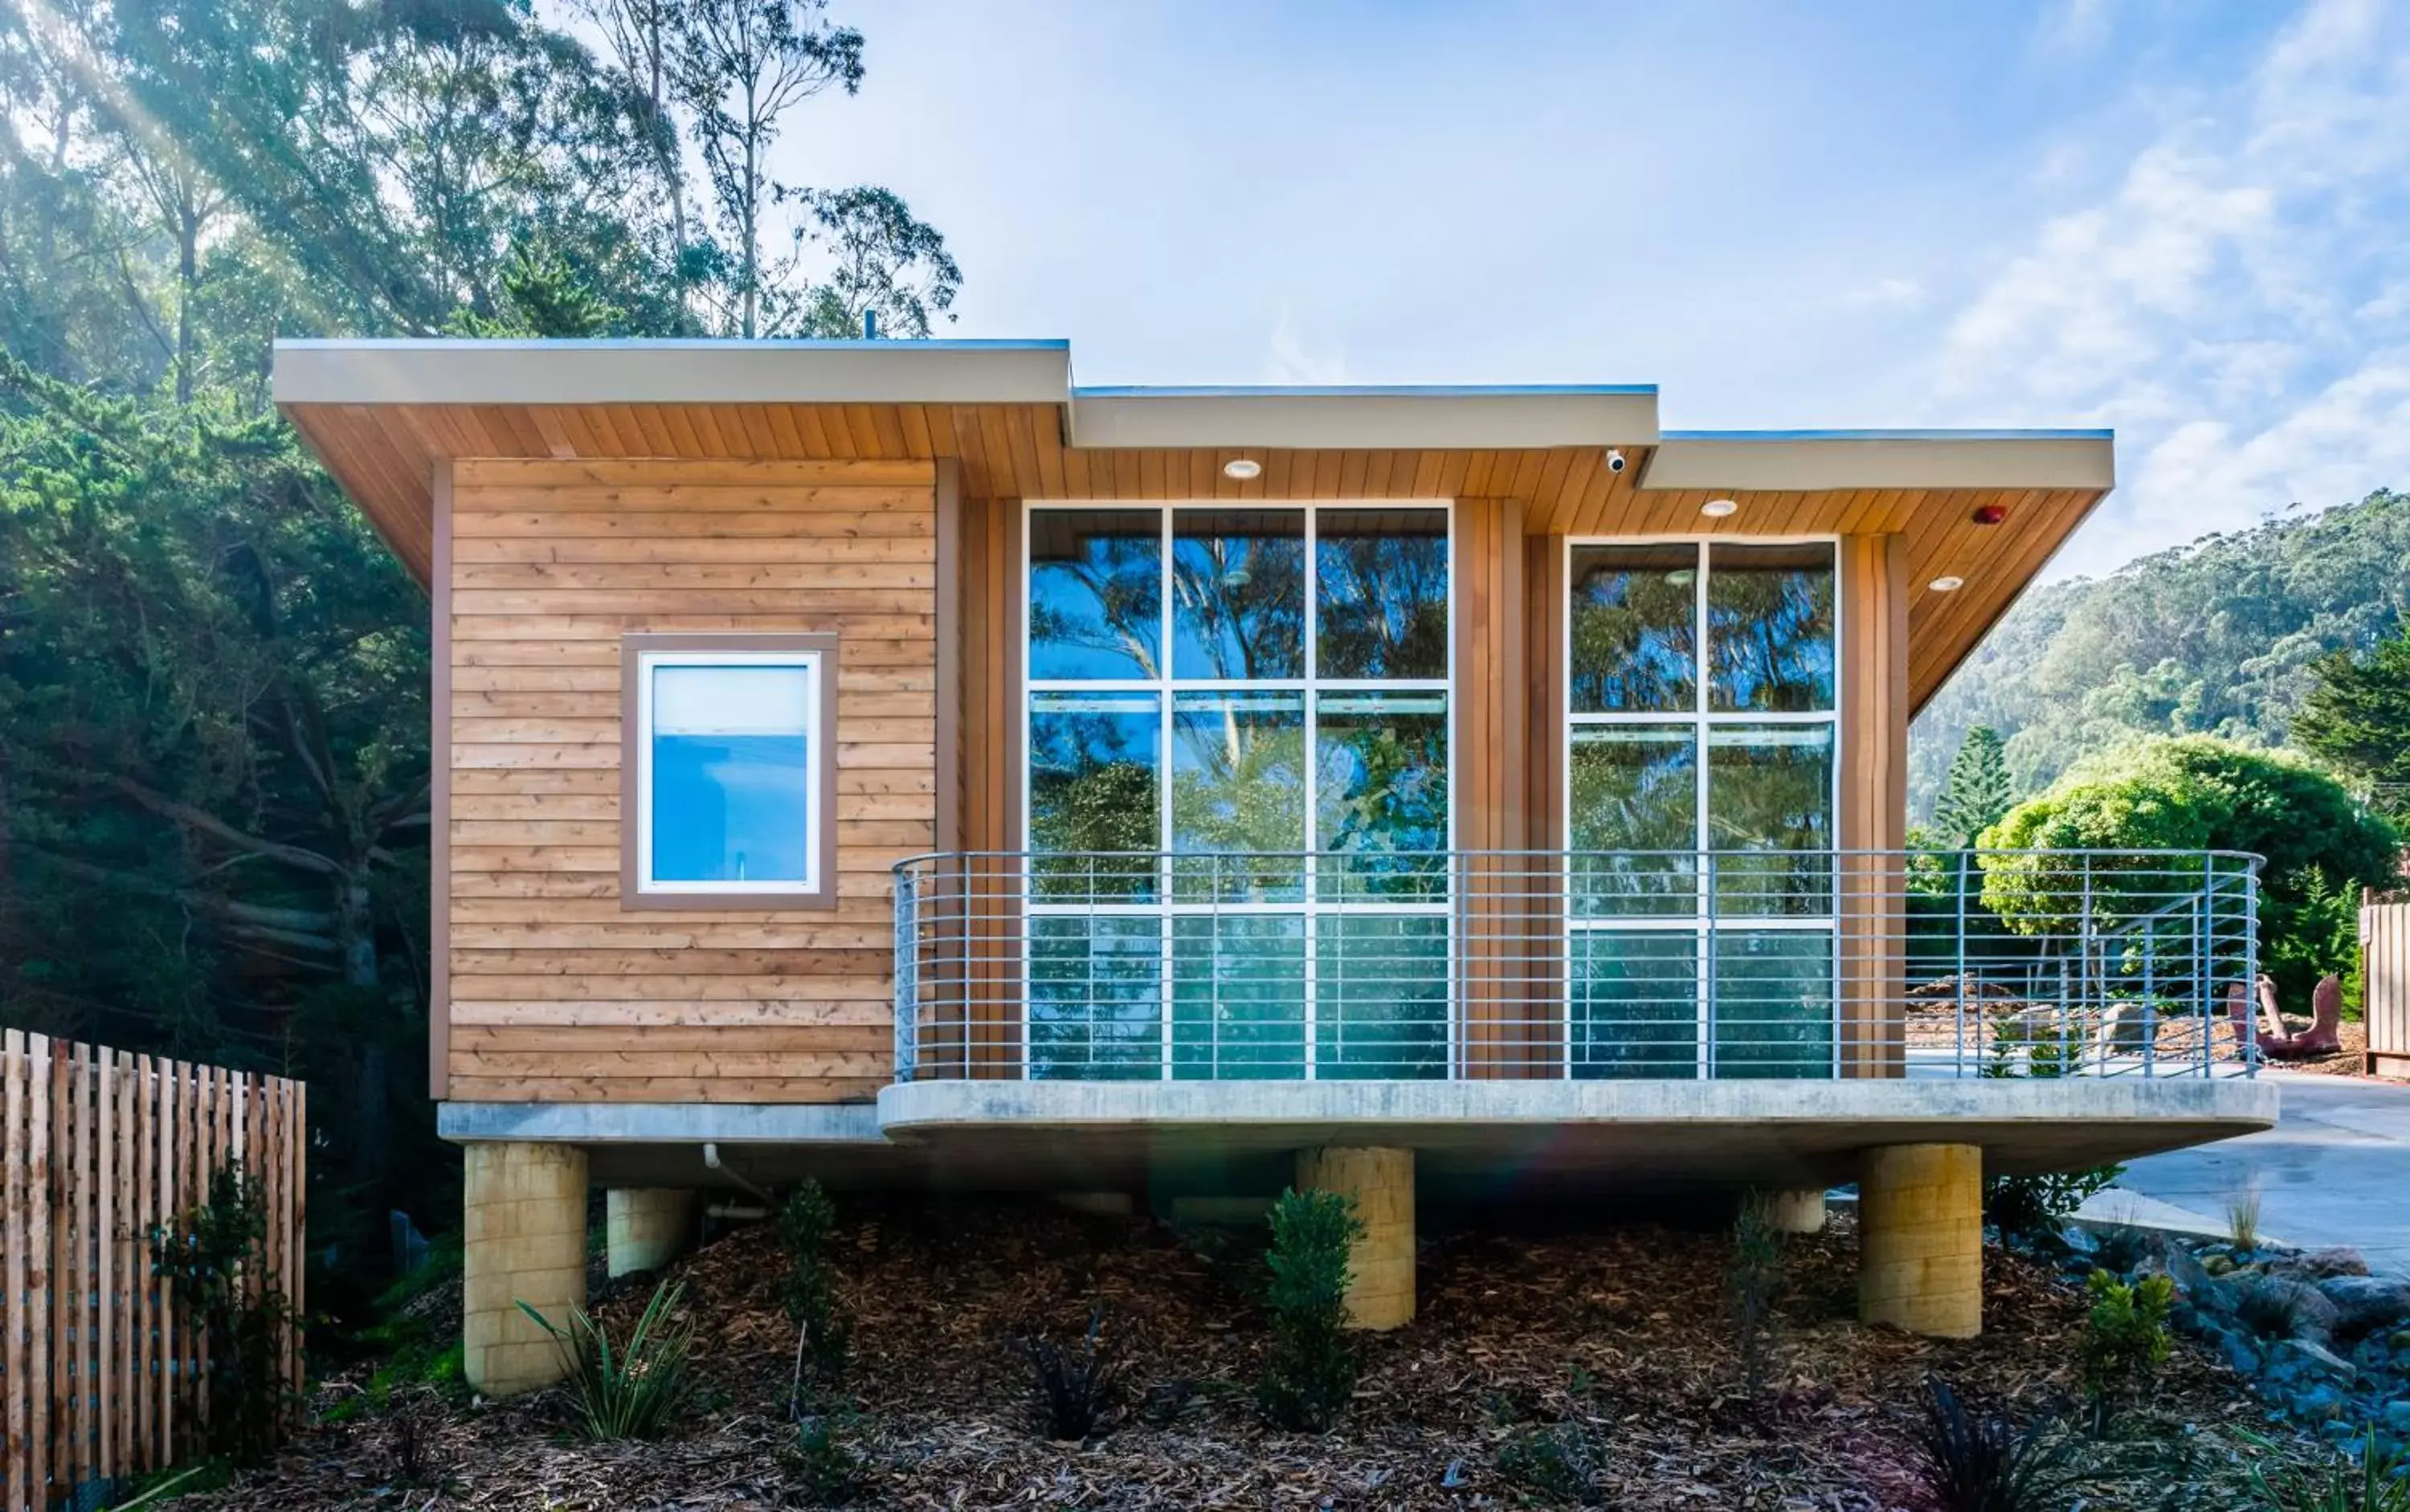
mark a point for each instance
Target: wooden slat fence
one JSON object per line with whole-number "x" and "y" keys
{"x": 2385, "y": 984}
{"x": 99, "y": 1366}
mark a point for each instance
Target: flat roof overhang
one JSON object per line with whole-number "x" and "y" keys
{"x": 1986, "y": 507}
{"x": 1470, "y": 1136}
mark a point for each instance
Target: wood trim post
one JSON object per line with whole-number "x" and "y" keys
{"x": 439, "y": 797}
{"x": 1873, "y": 820}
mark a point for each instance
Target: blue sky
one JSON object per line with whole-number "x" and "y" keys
{"x": 2190, "y": 222}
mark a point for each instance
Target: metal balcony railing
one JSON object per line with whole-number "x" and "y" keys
{"x": 1398, "y": 965}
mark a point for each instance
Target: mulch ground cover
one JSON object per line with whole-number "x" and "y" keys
{"x": 1615, "y": 1342}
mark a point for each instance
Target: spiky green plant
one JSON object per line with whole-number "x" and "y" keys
{"x": 1312, "y": 1368}
{"x": 633, "y": 1390}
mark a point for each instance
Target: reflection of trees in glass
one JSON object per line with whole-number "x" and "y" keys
{"x": 1770, "y": 627}
{"x": 1380, "y": 996}
{"x": 1092, "y": 784}
{"x": 1383, "y": 597}
{"x": 1095, "y": 999}
{"x": 1096, "y": 593}
{"x": 1634, "y": 789}
{"x": 1770, "y": 789}
{"x": 1237, "y": 594}
{"x": 1382, "y": 786}
{"x": 1634, "y": 629}
{"x": 1636, "y": 1003}
{"x": 1238, "y": 783}
{"x": 1238, "y": 996}
{"x": 1774, "y": 1004}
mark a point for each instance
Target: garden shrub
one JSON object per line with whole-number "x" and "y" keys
{"x": 1982, "y": 1461}
{"x": 822, "y": 1468}
{"x": 1312, "y": 1368}
{"x": 1755, "y": 1278}
{"x": 632, "y": 1392}
{"x": 2034, "y": 1209}
{"x": 213, "y": 1261}
{"x": 1557, "y": 1461}
{"x": 2126, "y": 1340}
{"x": 1075, "y": 1389}
{"x": 807, "y": 1232}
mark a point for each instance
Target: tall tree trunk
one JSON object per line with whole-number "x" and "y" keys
{"x": 188, "y": 236}
{"x": 356, "y": 936}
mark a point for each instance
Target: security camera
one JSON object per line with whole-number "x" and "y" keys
{"x": 1615, "y": 461}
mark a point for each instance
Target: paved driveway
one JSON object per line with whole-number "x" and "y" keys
{"x": 2334, "y": 1171}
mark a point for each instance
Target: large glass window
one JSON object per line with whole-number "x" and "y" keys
{"x": 727, "y": 750}
{"x": 1238, "y": 792}
{"x": 1700, "y": 784}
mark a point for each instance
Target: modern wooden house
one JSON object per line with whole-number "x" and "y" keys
{"x": 888, "y": 762}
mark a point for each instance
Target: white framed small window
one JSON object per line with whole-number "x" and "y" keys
{"x": 728, "y": 772}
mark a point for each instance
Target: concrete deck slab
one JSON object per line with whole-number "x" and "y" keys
{"x": 2334, "y": 1171}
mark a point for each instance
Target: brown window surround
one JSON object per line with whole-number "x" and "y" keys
{"x": 632, "y": 651}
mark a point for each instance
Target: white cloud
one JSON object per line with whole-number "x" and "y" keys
{"x": 2237, "y": 304}
{"x": 1888, "y": 294}
{"x": 1291, "y": 360}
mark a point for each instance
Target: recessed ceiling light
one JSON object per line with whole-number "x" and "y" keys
{"x": 1947, "y": 585}
{"x": 1242, "y": 468}
{"x": 1717, "y": 508}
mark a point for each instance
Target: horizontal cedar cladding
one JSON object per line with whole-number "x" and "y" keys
{"x": 558, "y": 993}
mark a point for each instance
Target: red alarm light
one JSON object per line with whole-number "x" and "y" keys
{"x": 1991, "y": 514}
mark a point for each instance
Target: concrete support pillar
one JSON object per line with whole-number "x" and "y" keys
{"x": 523, "y": 1233}
{"x": 1921, "y": 1239}
{"x": 1381, "y": 1285}
{"x": 1800, "y": 1212}
{"x": 644, "y": 1227}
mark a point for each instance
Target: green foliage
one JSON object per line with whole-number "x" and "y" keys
{"x": 1557, "y": 1461}
{"x": 1076, "y": 1388}
{"x": 822, "y": 1467}
{"x": 2034, "y": 1209}
{"x": 2369, "y": 1481}
{"x": 1754, "y": 1280}
{"x": 1311, "y": 1371}
{"x": 1982, "y": 1461}
{"x": 807, "y": 1234}
{"x": 2357, "y": 716}
{"x": 1977, "y": 794}
{"x": 2221, "y": 637}
{"x": 213, "y": 1260}
{"x": 2190, "y": 794}
{"x": 634, "y": 1392}
{"x": 2125, "y": 1339}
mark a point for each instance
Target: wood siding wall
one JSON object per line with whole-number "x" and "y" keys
{"x": 2385, "y": 984}
{"x": 556, "y": 992}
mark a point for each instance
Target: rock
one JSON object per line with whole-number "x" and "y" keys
{"x": 2218, "y": 1265}
{"x": 2128, "y": 1027}
{"x": 2340, "y": 1261}
{"x": 2304, "y": 1359}
{"x": 2277, "y": 1309}
{"x": 2319, "y": 1403}
{"x": 2397, "y": 1415}
{"x": 2365, "y": 1303}
{"x": 2244, "y": 1359}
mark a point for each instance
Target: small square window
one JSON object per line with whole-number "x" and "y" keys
{"x": 729, "y": 779}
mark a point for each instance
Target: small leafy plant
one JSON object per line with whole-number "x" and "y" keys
{"x": 630, "y": 1392}
{"x": 1555, "y": 1460}
{"x": 807, "y": 1232}
{"x": 1982, "y": 1461}
{"x": 2036, "y": 1208}
{"x": 1313, "y": 1368}
{"x": 1076, "y": 1390}
{"x": 822, "y": 1468}
{"x": 2126, "y": 1340}
{"x": 213, "y": 1261}
{"x": 1755, "y": 1279}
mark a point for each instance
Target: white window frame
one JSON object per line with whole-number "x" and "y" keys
{"x": 816, "y": 663}
{"x": 1167, "y": 686}
{"x": 1703, "y": 923}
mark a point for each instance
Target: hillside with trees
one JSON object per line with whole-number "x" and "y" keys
{"x": 2219, "y": 638}
{"x": 213, "y": 678}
